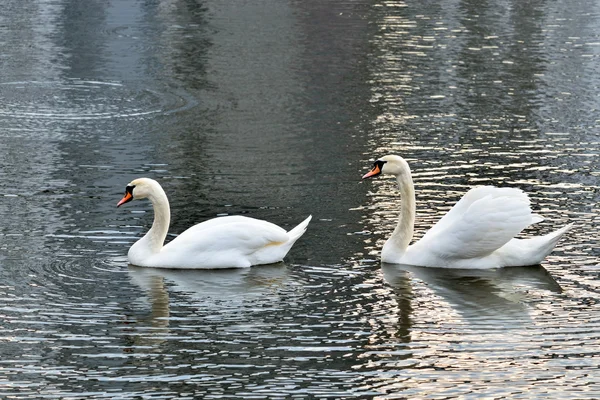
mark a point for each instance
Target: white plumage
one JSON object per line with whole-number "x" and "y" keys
{"x": 223, "y": 242}
{"x": 478, "y": 232}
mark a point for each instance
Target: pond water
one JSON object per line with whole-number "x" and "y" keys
{"x": 274, "y": 110}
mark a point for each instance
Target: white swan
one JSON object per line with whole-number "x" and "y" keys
{"x": 223, "y": 242}
{"x": 478, "y": 232}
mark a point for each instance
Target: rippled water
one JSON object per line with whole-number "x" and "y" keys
{"x": 274, "y": 110}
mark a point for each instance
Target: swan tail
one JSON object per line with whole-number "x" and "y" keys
{"x": 293, "y": 234}
{"x": 540, "y": 247}
{"x": 552, "y": 238}
{"x": 298, "y": 230}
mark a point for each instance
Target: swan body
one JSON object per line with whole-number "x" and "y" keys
{"x": 478, "y": 232}
{"x": 223, "y": 242}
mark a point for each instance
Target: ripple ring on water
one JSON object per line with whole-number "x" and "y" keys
{"x": 87, "y": 100}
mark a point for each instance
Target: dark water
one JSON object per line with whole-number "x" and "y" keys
{"x": 274, "y": 109}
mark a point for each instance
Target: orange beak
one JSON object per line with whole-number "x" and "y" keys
{"x": 127, "y": 198}
{"x": 373, "y": 172}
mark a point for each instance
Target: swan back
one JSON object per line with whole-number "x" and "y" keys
{"x": 226, "y": 242}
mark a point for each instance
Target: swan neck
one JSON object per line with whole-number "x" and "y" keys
{"x": 403, "y": 232}
{"x": 162, "y": 218}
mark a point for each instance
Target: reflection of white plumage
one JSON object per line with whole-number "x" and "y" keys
{"x": 225, "y": 242}
{"x": 478, "y": 232}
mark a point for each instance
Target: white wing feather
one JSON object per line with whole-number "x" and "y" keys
{"x": 242, "y": 234}
{"x": 484, "y": 220}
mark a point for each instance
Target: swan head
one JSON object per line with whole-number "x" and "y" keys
{"x": 389, "y": 165}
{"x": 140, "y": 188}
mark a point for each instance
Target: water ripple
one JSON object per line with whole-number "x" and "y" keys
{"x": 86, "y": 100}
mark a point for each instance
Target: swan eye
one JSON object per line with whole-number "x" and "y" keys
{"x": 378, "y": 166}
{"x": 128, "y": 195}
{"x": 376, "y": 170}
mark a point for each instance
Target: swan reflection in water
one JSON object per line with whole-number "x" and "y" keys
{"x": 220, "y": 291}
{"x": 493, "y": 297}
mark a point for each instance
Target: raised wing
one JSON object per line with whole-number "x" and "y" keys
{"x": 484, "y": 220}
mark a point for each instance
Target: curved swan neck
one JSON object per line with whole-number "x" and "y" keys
{"x": 155, "y": 237}
{"x": 403, "y": 232}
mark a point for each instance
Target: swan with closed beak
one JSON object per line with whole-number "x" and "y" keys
{"x": 222, "y": 242}
{"x": 478, "y": 232}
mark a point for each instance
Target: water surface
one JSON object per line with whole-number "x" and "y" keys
{"x": 274, "y": 110}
